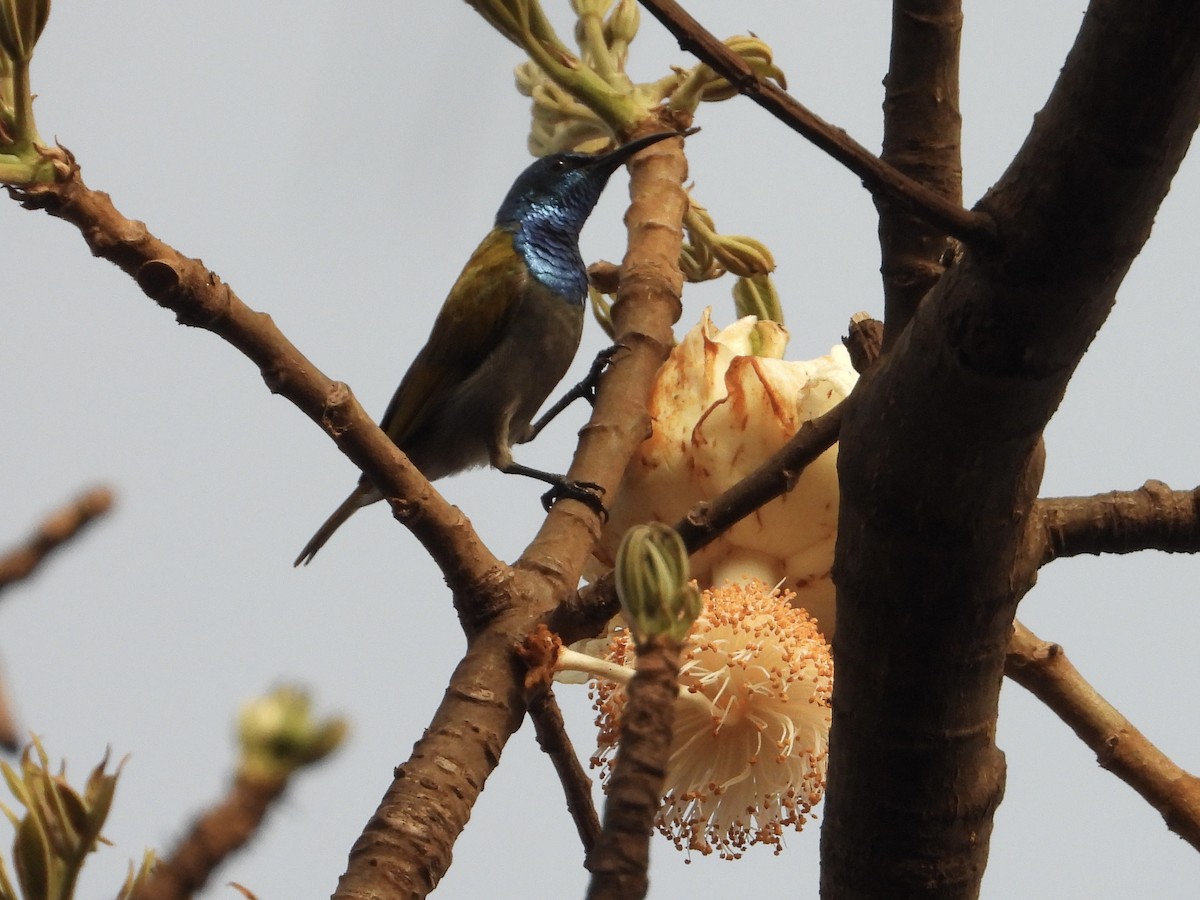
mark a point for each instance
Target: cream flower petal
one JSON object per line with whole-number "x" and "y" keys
{"x": 723, "y": 403}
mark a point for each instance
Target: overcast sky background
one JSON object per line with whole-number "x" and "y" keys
{"x": 336, "y": 164}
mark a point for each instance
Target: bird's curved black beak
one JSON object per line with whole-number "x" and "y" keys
{"x": 614, "y": 159}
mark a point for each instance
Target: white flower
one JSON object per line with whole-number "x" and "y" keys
{"x": 723, "y": 402}
{"x": 752, "y": 721}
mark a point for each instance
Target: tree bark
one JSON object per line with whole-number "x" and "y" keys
{"x": 922, "y": 137}
{"x": 940, "y": 459}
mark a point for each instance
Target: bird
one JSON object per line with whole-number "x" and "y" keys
{"x": 504, "y": 337}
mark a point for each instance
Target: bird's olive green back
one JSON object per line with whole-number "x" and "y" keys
{"x": 470, "y": 324}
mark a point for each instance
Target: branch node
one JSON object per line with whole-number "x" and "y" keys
{"x": 158, "y": 279}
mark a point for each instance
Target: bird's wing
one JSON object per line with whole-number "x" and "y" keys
{"x": 468, "y": 327}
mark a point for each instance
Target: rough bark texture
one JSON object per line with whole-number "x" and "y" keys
{"x": 407, "y": 845}
{"x": 1153, "y": 517}
{"x": 922, "y": 130}
{"x": 939, "y": 459}
{"x": 622, "y": 855}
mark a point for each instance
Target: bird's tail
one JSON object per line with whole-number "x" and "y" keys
{"x": 360, "y": 497}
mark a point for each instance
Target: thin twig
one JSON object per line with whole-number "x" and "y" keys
{"x": 705, "y": 522}
{"x": 1043, "y": 669}
{"x": 577, "y": 786}
{"x": 950, "y": 217}
{"x": 54, "y": 531}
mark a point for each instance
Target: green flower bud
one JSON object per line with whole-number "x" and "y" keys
{"x": 621, "y": 28}
{"x": 757, "y": 55}
{"x": 277, "y": 734}
{"x": 743, "y": 255}
{"x": 590, "y": 7}
{"x": 21, "y": 24}
{"x": 61, "y": 825}
{"x": 697, "y": 263}
{"x": 756, "y": 296}
{"x": 652, "y": 583}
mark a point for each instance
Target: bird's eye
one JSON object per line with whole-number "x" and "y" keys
{"x": 560, "y": 164}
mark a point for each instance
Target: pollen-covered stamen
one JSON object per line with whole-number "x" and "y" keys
{"x": 748, "y": 753}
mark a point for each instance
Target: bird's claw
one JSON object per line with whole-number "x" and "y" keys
{"x": 586, "y": 492}
{"x": 590, "y": 385}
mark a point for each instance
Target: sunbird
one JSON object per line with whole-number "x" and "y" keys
{"x": 504, "y": 337}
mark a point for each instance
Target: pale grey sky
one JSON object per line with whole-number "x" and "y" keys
{"x": 336, "y": 164}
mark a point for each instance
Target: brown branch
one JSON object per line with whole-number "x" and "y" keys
{"x": 577, "y": 786}
{"x": 621, "y": 857}
{"x": 779, "y": 473}
{"x": 1042, "y": 668}
{"x": 406, "y": 846}
{"x": 940, "y": 458}
{"x": 199, "y": 298}
{"x": 647, "y": 306}
{"x": 1153, "y": 517}
{"x": 705, "y": 522}
{"x": 220, "y": 831}
{"x": 922, "y": 138}
{"x": 52, "y": 534}
{"x": 54, "y": 531}
{"x": 864, "y": 343}
{"x": 10, "y": 730}
{"x": 878, "y": 176}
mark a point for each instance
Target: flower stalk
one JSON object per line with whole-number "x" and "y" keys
{"x": 660, "y": 606}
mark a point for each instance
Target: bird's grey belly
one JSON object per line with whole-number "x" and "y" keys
{"x": 494, "y": 406}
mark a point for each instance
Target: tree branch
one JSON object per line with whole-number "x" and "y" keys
{"x": 199, "y": 298}
{"x": 1153, "y": 517}
{"x": 879, "y": 177}
{"x": 220, "y": 831}
{"x": 1042, "y": 668}
{"x": 577, "y": 786}
{"x": 647, "y": 306}
{"x": 940, "y": 458}
{"x": 406, "y": 846}
{"x": 54, "y": 532}
{"x": 922, "y": 138}
{"x": 622, "y": 855}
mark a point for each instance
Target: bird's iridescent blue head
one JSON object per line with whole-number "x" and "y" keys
{"x": 548, "y": 204}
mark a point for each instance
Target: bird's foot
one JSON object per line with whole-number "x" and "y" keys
{"x": 591, "y": 383}
{"x": 588, "y": 493}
